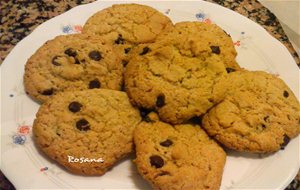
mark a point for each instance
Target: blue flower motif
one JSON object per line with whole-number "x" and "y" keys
{"x": 19, "y": 139}
{"x": 200, "y": 16}
{"x": 67, "y": 29}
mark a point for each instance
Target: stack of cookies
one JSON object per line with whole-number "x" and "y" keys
{"x": 172, "y": 93}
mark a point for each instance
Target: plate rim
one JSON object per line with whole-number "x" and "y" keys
{"x": 122, "y": 1}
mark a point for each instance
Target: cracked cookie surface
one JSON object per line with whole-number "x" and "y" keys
{"x": 176, "y": 81}
{"x": 179, "y": 157}
{"x": 72, "y": 62}
{"x": 256, "y": 112}
{"x": 94, "y": 124}
{"x": 203, "y": 39}
{"x": 127, "y": 25}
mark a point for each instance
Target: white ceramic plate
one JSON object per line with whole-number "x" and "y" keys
{"x": 28, "y": 169}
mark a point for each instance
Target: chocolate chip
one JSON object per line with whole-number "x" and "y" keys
{"x": 127, "y": 50}
{"x": 166, "y": 143}
{"x": 74, "y": 107}
{"x": 76, "y": 60}
{"x": 285, "y": 94}
{"x": 83, "y": 125}
{"x": 229, "y": 70}
{"x": 48, "y": 92}
{"x": 95, "y": 55}
{"x": 71, "y": 52}
{"x": 263, "y": 126}
{"x": 160, "y": 101}
{"x": 156, "y": 161}
{"x": 145, "y": 50}
{"x": 55, "y": 62}
{"x": 94, "y": 84}
{"x": 215, "y": 49}
{"x": 119, "y": 40}
{"x": 286, "y": 140}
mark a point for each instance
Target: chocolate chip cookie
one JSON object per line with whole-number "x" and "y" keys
{"x": 179, "y": 157}
{"x": 173, "y": 79}
{"x": 127, "y": 25}
{"x": 72, "y": 62}
{"x": 203, "y": 39}
{"x": 256, "y": 112}
{"x": 86, "y": 131}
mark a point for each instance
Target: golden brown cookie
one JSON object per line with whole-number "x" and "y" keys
{"x": 179, "y": 157}
{"x": 175, "y": 80}
{"x": 203, "y": 39}
{"x": 72, "y": 62}
{"x": 86, "y": 131}
{"x": 256, "y": 112}
{"x": 127, "y": 25}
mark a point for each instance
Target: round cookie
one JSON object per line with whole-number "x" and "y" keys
{"x": 203, "y": 39}
{"x": 72, "y": 62}
{"x": 256, "y": 112}
{"x": 179, "y": 157}
{"x": 87, "y": 125}
{"x": 127, "y": 25}
{"x": 175, "y": 81}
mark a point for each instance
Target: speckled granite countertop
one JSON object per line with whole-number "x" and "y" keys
{"x": 20, "y": 17}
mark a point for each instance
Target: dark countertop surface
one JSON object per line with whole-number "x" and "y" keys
{"x": 20, "y": 17}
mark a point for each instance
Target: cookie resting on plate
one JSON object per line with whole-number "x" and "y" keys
{"x": 90, "y": 124}
{"x": 202, "y": 39}
{"x": 178, "y": 157}
{"x": 175, "y": 80}
{"x": 256, "y": 112}
{"x": 72, "y": 62}
{"x": 127, "y": 25}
